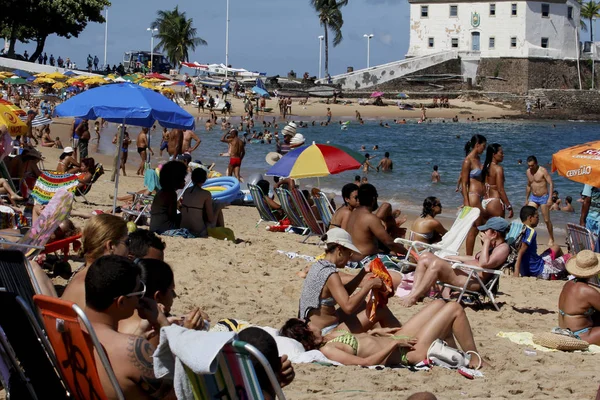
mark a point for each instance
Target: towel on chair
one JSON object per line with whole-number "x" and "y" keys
{"x": 198, "y": 350}
{"x": 455, "y": 237}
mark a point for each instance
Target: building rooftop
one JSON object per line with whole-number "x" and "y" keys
{"x": 485, "y": 1}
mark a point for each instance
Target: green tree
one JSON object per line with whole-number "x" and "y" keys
{"x": 330, "y": 18}
{"x": 590, "y": 11}
{"x": 176, "y": 35}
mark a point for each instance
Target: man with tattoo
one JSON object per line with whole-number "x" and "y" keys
{"x": 113, "y": 291}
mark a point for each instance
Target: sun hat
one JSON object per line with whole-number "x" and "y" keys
{"x": 496, "y": 223}
{"x": 585, "y": 265}
{"x": 272, "y": 158}
{"x": 68, "y": 150}
{"x": 298, "y": 139}
{"x": 341, "y": 237}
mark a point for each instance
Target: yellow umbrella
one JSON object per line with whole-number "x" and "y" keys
{"x": 167, "y": 90}
{"x": 15, "y": 126}
{"x": 44, "y": 80}
{"x": 71, "y": 81}
{"x": 147, "y": 85}
{"x": 56, "y": 75}
{"x": 59, "y": 85}
{"x": 94, "y": 81}
{"x": 41, "y": 75}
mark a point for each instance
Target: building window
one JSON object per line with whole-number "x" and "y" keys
{"x": 570, "y": 12}
{"x": 513, "y": 9}
{"x": 492, "y": 10}
{"x": 492, "y": 43}
{"x": 544, "y": 42}
{"x": 454, "y": 43}
{"x": 430, "y": 42}
{"x": 513, "y": 42}
{"x": 545, "y": 10}
{"x": 454, "y": 11}
{"x": 424, "y": 11}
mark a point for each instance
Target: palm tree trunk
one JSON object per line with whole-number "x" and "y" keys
{"x": 326, "y": 51}
{"x": 591, "y": 30}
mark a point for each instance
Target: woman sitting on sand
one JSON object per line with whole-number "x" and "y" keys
{"x": 432, "y": 268}
{"x": 341, "y": 215}
{"x": 323, "y": 289}
{"x": 472, "y": 183}
{"x": 426, "y": 228}
{"x": 496, "y": 200}
{"x": 406, "y": 345}
{"x": 198, "y": 212}
{"x": 46, "y": 139}
{"x": 164, "y": 215}
{"x": 580, "y": 298}
{"x": 67, "y": 163}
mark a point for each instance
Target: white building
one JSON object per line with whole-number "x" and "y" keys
{"x": 495, "y": 28}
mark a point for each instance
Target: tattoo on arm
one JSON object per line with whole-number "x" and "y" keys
{"x": 139, "y": 352}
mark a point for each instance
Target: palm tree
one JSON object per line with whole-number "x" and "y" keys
{"x": 330, "y": 17}
{"x": 176, "y": 35}
{"x": 591, "y": 11}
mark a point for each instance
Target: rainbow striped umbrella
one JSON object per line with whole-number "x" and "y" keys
{"x": 316, "y": 160}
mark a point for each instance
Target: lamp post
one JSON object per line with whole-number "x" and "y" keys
{"x": 152, "y": 47}
{"x": 105, "y": 36}
{"x": 320, "y": 53}
{"x": 369, "y": 37}
{"x": 227, "y": 40}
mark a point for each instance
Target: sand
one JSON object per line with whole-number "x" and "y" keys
{"x": 250, "y": 281}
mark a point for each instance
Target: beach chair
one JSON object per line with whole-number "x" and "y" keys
{"x": 579, "y": 238}
{"x": 316, "y": 227}
{"x": 264, "y": 211}
{"x": 489, "y": 289}
{"x": 22, "y": 336}
{"x": 81, "y": 192}
{"x": 74, "y": 348}
{"x": 450, "y": 243}
{"x": 49, "y": 183}
{"x": 12, "y": 377}
{"x": 235, "y": 377}
{"x": 140, "y": 208}
{"x": 324, "y": 207}
{"x": 289, "y": 207}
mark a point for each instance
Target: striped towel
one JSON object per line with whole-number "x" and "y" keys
{"x": 49, "y": 183}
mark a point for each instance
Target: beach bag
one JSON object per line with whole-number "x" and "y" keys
{"x": 445, "y": 356}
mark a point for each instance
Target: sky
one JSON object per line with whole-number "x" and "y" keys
{"x": 271, "y": 36}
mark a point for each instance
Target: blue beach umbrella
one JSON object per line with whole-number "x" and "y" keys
{"x": 128, "y": 104}
{"x": 260, "y": 92}
{"x": 21, "y": 73}
{"x": 69, "y": 73}
{"x": 31, "y": 79}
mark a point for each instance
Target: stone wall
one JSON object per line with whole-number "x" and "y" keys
{"x": 576, "y": 104}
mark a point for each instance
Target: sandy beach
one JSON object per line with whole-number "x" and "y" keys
{"x": 249, "y": 280}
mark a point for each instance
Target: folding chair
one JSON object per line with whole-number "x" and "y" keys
{"x": 308, "y": 216}
{"x": 324, "y": 206}
{"x": 579, "y": 238}
{"x": 75, "y": 348}
{"x": 235, "y": 377}
{"x": 98, "y": 172}
{"x": 139, "y": 208}
{"x": 49, "y": 183}
{"x": 264, "y": 211}
{"x": 289, "y": 207}
{"x": 12, "y": 377}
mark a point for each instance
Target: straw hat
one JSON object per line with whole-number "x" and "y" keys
{"x": 272, "y": 158}
{"x": 298, "y": 139}
{"x": 585, "y": 265}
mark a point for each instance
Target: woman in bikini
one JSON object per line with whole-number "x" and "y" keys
{"x": 198, "y": 212}
{"x": 324, "y": 288}
{"x": 46, "y": 139}
{"x": 86, "y": 174}
{"x": 496, "y": 201}
{"x": 471, "y": 178}
{"x": 406, "y": 345}
{"x": 426, "y": 228}
{"x": 341, "y": 215}
{"x": 67, "y": 163}
{"x": 580, "y": 298}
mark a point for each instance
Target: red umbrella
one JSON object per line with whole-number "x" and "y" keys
{"x": 78, "y": 84}
{"x": 157, "y": 76}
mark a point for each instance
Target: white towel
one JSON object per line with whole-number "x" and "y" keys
{"x": 457, "y": 234}
{"x": 198, "y": 350}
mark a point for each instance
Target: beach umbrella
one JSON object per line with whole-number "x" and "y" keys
{"x": 14, "y": 108}
{"x": 128, "y": 104}
{"x": 56, "y": 75}
{"x": 260, "y": 92}
{"x": 8, "y": 117}
{"x": 95, "y": 81}
{"x": 157, "y": 76}
{"x": 315, "y": 161}
{"x": 15, "y": 81}
{"x": 41, "y": 74}
{"x": 21, "y": 74}
{"x": 402, "y": 96}
{"x": 59, "y": 85}
{"x": 39, "y": 120}
{"x": 129, "y": 78}
{"x": 31, "y": 79}
{"x": 377, "y": 94}
{"x": 579, "y": 163}
{"x": 40, "y": 81}
{"x": 70, "y": 73}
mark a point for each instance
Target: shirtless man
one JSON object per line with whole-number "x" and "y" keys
{"x": 342, "y": 214}
{"x": 537, "y": 193}
{"x": 175, "y": 143}
{"x": 329, "y": 115}
{"x": 164, "y": 143}
{"x": 237, "y": 151}
{"x": 385, "y": 164}
{"x": 188, "y": 136}
{"x": 142, "y": 146}
{"x": 113, "y": 291}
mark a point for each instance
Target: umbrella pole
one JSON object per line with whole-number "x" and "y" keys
{"x": 117, "y": 168}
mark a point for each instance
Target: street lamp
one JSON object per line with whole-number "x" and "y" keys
{"x": 152, "y": 47}
{"x": 369, "y": 37}
{"x": 105, "y": 36}
{"x": 320, "y": 53}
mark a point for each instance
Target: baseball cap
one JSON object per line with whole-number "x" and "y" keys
{"x": 496, "y": 223}
{"x": 68, "y": 150}
{"x": 341, "y": 237}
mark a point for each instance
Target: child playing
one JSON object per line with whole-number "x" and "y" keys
{"x": 58, "y": 144}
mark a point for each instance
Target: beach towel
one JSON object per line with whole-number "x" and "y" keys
{"x": 379, "y": 297}
{"x": 198, "y": 350}
{"x": 455, "y": 237}
{"x": 291, "y": 255}
{"x": 151, "y": 181}
{"x": 526, "y": 338}
{"x": 48, "y": 183}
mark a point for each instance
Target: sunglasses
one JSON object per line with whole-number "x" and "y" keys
{"x": 139, "y": 294}
{"x": 126, "y": 242}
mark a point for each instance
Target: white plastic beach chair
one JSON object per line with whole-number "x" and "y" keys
{"x": 450, "y": 243}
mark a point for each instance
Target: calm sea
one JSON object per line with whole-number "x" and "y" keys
{"x": 414, "y": 149}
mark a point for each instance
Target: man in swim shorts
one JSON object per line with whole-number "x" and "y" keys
{"x": 537, "y": 193}
{"x": 165, "y": 141}
{"x": 237, "y": 151}
{"x": 142, "y": 147}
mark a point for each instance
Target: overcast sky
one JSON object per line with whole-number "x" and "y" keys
{"x": 271, "y": 36}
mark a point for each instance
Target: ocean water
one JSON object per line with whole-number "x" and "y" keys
{"x": 414, "y": 149}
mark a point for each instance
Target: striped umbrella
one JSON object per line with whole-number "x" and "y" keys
{"x": 39, "y": 120}
{"x": 315, "y": 161}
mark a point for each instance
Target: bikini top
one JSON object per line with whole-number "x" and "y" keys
{"x": 328, "y": 302}
{"x": 426, "y": 236}
{"x": 348, "y": 339}
{"x": 475, "y": 173}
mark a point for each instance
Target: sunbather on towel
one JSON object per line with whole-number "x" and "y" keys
{"x": 579, "y": 301}
{"x": 432, "y": 268}
{"x": 406, "y": 345}
{"x": 323, "y": 289}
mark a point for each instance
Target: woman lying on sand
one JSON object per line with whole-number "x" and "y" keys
{"x": 426, "y": 228}
{"x": 432, "y": 268}
{"x": 579, "y": 300}
{"x": 323, "y": 289}
{"x": 407, "y": 345}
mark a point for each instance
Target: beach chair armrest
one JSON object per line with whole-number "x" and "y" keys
{"x": 416, "y": 244}
{"x": 475, "y": 268}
